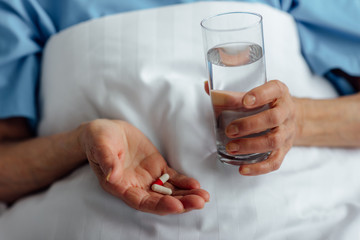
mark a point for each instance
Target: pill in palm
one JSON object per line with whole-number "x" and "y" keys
{"x": 157, "y": 186}
{"x": 163, "y": 179}
{"x": 161, "y": 189}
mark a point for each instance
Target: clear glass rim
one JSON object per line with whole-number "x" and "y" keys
{"x": 202, "y": 23}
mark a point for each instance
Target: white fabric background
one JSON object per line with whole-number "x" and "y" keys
{"x": 148, "y": 67}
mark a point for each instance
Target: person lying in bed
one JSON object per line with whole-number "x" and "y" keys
{"x": 123, "y": 159}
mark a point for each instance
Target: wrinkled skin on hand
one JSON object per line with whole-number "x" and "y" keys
{"x": 126, "y": 163}
{"x": 280, "y": 119}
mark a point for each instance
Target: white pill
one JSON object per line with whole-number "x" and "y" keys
{"x": 160, "y": 189}
{"x": 164, "y": 178}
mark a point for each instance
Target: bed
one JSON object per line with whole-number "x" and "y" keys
{"x": 147, "y": 67}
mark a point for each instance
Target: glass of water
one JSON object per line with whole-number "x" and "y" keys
{"x": 234, "y": 52}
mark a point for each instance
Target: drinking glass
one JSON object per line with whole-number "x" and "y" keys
{"x": 234, "y": 52}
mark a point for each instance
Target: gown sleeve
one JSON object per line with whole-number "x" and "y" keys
{"x": 329, "y": 33}
{"x": 24, "y": 29}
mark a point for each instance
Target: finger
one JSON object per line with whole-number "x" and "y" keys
{"x": 234, "y": 59}
{"x": 191, "y": 202}
{"x": 264, "y": 94}
{"x": 206, "y": 87}
{"x": 224, "y": 98}
{"x": 97, "y": 170}
{"x": 257, "y": 123}
{"x": 273, "y": 163}
{"x": 270, "y": 141}
{"x": 155, "y": 165}
{"x": 152, "y": 203}
{"x": 227, "y": 99}
{"x": 165, "y": 205}
{"x": 182, "y": 181}
{"x": 102, "y": 159}
{"x": 199, "y": 192}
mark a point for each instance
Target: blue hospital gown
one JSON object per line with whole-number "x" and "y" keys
{"x": 329, "y": 33}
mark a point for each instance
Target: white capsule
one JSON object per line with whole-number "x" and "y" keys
{"x": 160, "y": 189}
{"x": 164, "y": 177}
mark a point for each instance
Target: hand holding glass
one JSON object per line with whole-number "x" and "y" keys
{"x": 234, "y": 52}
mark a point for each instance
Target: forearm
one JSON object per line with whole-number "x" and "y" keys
{"x": 331, "y": 122}
{"x": 29, "y": 165}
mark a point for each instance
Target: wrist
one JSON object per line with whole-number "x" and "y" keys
{"x": 69, "y": 147}
{"x": 299, "y": 119}
{"x": 77, "y": 136}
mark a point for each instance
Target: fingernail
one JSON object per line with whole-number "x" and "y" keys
{"x": 245, "y": 170}
{"x": 233, "y": 147}
{"x": 249, "y": 100}
{"x": 232, "y": 130}
{"x": 109, "y": 175}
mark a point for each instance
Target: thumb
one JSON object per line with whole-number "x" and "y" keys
{"x": 113, "y": 167}
{"x": 104, "y": 163}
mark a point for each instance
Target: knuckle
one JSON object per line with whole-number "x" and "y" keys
{"x": 275, "y": 161}
{"x": 245, "y": 126}
{"x": 274, "y": 116}
{"x": 92, "y": 124}
{"x": 275, "y": 140}
{"x": 281, "y": 86}
{"x": 95, "y": 124}
{"x": 275, "y": 165}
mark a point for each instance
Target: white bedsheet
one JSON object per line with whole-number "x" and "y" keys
{"x": 148, "y": 67}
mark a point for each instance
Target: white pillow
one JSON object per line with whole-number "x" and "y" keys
{"x": 148, "y": 68}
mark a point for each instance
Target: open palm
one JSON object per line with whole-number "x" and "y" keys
{"x": 127, "y": 163}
